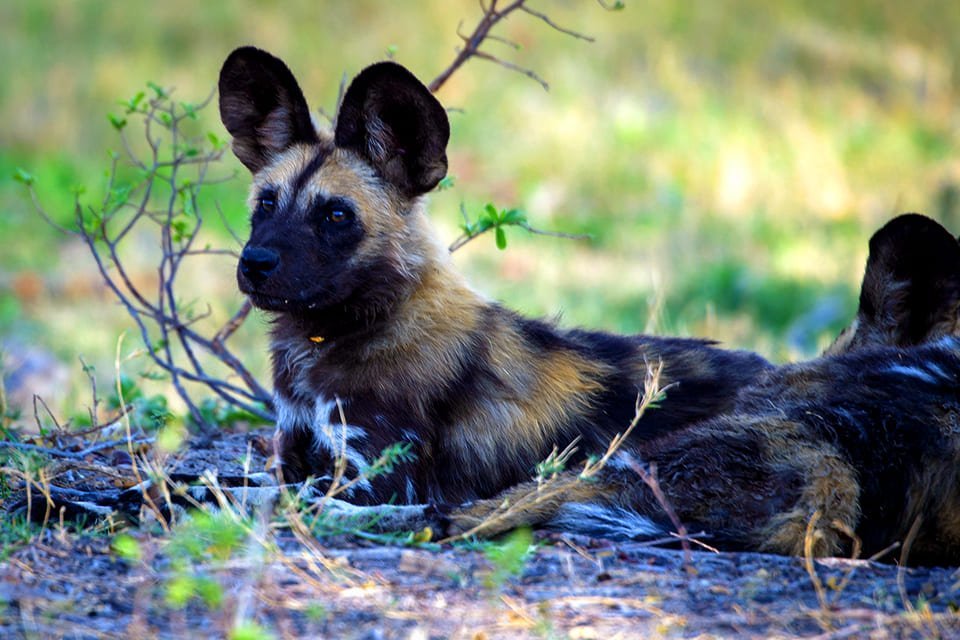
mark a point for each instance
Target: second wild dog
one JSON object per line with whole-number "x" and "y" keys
{"x": 850, "y": 453}
{"x": 377, "y": 339}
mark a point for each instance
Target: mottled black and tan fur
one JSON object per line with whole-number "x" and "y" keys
{"x": 854, "y": 448}
{"x": 377, "y": 339}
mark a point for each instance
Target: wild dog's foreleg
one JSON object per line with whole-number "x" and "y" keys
{"x": 567, "y": 502}
{"x": 527, "y": 504}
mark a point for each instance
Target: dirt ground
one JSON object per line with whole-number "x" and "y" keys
{"x": 73, "y": 585}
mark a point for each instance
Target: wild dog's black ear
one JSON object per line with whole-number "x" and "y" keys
{"x": 391, "y": 119}
{"x": 911, "y": 286}
{"x": 262, "y": 107}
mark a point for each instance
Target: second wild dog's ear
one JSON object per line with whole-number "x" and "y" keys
{"x": 262, "y": 107}
{"x": 911, "y": 286}
{"x": 392, "y": 120}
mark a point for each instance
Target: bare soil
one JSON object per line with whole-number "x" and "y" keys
{"x": 72, "y": 584}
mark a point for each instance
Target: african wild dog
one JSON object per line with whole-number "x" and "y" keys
{"x": 855, "y": 448}
{"x": 371, "y": 319}
{"x": 376, "y": 339}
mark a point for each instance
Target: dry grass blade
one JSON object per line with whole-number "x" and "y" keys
{"x": 809, "y": 541}
{"x": 649, "y": 478}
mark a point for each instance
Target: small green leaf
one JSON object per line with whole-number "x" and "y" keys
{"x": 209, "y": 590}
{"x": 157, "y": 89}
{"x": 189, "y": 109}
{"x": 180, "y": 230}
{"x": 179, "y": 591}
{"x": 248, "y": 630}
{"x": 23, "y": 177}
{"x": 127, "y": 548}
{"x": 446, "y": 183}
{"x": 170, "y": 437}
{"x": 133, "y": 103}
{"x": 216, "y": 142}
{"x": 501, "y": 238}
{"x": 117, "y": 122}
{"x": 483, "y": 224}
{"x": 514, "y": 216}
{"x": 119, "y": 195}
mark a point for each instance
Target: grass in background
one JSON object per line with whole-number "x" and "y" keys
{"x": 729, "y": 161}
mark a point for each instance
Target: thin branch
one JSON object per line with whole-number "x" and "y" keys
{"x": 649, "y": 478}
{"x": 488, "y": 21}
{"x": 516, "y": 46}
{"x": 465, "y": 238}
{"x": 36, "y": 414}
{"x": 553, "y": 24}
{"x": 72, "y": 455}
{"x": 530, "y": 73}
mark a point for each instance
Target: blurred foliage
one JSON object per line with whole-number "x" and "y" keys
{"x": 729, "y": 160}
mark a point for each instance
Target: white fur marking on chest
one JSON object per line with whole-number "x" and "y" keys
{"x": 331, "y": 433}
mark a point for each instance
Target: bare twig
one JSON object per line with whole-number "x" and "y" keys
{"x": 553, "y": 24}
{"x": 71, "y": 455}
{"x": 472, "y": 43}
{"x": 530, "y": 73}
{"x": 492, "y": 15}
{"x": 95, "y": 399}
{"x": 649, "y": 478}
{"x": 37, "y": 403}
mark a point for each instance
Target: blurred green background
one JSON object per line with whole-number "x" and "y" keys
{"x": 728, "y": 159}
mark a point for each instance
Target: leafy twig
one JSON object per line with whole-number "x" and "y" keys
{"x": 493, "y": 219}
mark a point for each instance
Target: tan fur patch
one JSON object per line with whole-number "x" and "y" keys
{"x": 830, "y": 489}
{"x": 524, "y": 505}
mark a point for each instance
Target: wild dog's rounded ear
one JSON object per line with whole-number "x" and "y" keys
{"x": 392, "y": 120}
{"x": 262, "y": 107}
{"x": 911, "y": 286}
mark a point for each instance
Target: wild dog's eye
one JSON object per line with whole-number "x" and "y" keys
{"x": 338, "y": 216}
{"x": 267, "y": 201}
{"x": 336, "y": 213}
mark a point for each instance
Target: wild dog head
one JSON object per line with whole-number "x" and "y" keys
{"x": 911, "y": 287}
{"x": 332, "y": 235}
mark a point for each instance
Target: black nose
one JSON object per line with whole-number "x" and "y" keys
{"x": 256, "y": 263}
